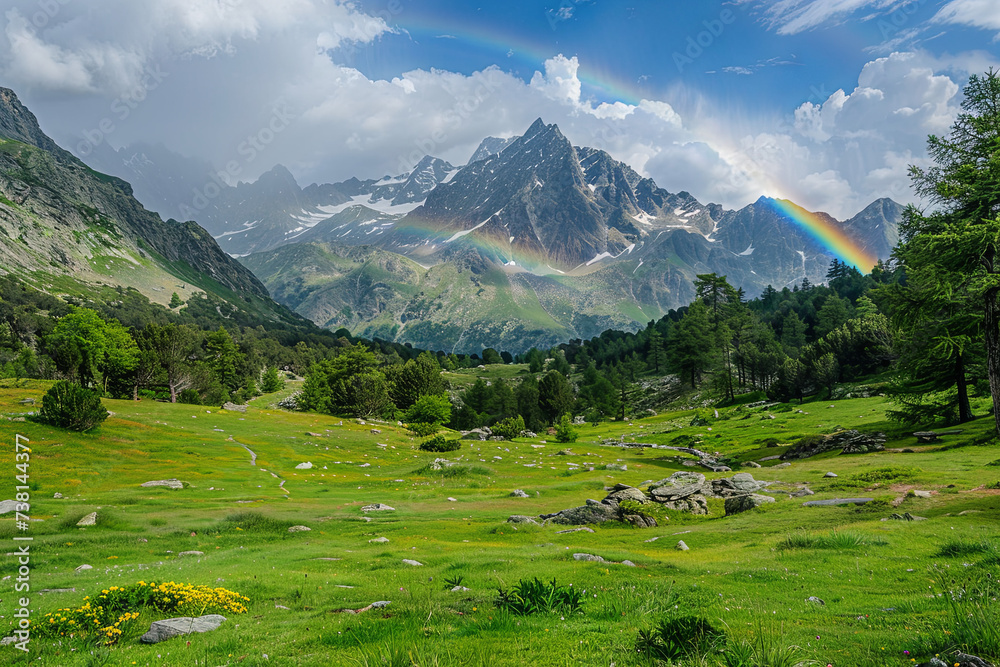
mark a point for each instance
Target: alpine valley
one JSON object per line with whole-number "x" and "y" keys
{"x": 534, "y": 242}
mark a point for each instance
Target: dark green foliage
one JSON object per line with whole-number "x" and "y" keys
{"x": 430, "y": 410}
{"x": 175, "y": 300}
{"x": 439, "y": 443}
{"x": 415, "y": 378}
{"x": 423, "y": 429}
{"x": 555, "y": 395}
{"x": 689, "y": 347}
{"x": 271, "y": 381}
{"x": 565, "y": 431}
{"x": 70, "y": 406}
{"x": 680, "y": 637}
{"x": 491, "y": 356}
{"x": 509, "y": 428}
{"x": 533, "y": 596}
{"x": 190, "y": 397}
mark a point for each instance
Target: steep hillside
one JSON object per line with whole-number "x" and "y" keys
{"x": 66, "y": 227}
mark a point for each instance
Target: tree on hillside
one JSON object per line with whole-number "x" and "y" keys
{"x": 831, "y": 315}
{"x": 958, "y": 244}
{"x": 555, "y": 395}
{"x": 171, "y": 346}
{"x": 689, "y": 346}
{"x": 793, "y": 334}
{"x": 77, "y": 345}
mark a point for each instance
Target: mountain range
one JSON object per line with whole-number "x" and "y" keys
{"x": 534, "y": 241}
{"x": 67, "y": 229}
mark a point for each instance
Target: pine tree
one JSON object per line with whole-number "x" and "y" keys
{"x": 690, "y": 344}
{"x": 956, "y": 249}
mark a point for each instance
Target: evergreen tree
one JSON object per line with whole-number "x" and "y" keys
{"x": 793, "y": 334}
{"x": 831, "y": 315}
{"x": 555, "y": 395}
{"x": 960, "y": 241}
{"x": 526, "y": 396}
{"x": 689, "y": 348}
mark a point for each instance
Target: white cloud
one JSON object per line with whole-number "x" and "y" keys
{"x": 790, "y": 17}
{"x": 104, "y": 45}
{"x": 975, "y": 13}
{"x": 231, "y": 68}
{"x": 560, "y": 81}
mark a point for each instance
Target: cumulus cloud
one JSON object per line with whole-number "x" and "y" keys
{"x": 857, "y": 146}
{"x": 233, "y": 71}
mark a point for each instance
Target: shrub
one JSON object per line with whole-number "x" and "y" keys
{"x": 509, "y": 428}
{"x": 430, "y": 409}
{"x": 189, "y": 396}
{"x": 423, "y": 429}
{"x": 271, "y": 381}
{"x": 72, "y": 407}
{"x": 680, "y": 637}
{"x": 532, "y": 596}
{"x": 440, "y": 444}
{"x": 565, "y": 431}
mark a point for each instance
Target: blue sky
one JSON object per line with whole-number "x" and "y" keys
{"x": 826, "y": 102}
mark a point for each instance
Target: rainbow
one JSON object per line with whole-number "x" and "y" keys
{"x": 608, "y": 87}
{"x": 829, "y": 235}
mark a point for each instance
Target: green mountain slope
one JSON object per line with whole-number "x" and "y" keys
{"x": 466, "y": 304}
{"x": 68, "y": 229}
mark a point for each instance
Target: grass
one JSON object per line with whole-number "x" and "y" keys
{"x": 872, "y": 575}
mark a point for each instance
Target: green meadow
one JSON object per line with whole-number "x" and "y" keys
{"x": 885, "y": 589}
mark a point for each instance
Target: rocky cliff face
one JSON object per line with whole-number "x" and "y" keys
{"x": 61, "y": 218}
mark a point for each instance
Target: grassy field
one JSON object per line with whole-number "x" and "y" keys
{"x": 883, "y": 583}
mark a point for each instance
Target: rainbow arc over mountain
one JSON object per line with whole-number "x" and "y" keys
{"x": 827, "y": 234}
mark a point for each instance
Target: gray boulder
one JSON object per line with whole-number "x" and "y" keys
{"x": 299, "y": 529}
{"x": 89, "y": 520}
{"x": 679, "y": 485}
{"x": 681, "y": 546}
{"x": 183, "y": 554}
{"x": 476, "y": 434}
{"x": 379, "y": 540}
{"x": 233, "y": 407}
{"x": 169, "y": 483}
{"x": 521, "y": 518}
{"x": 378, "y": 507}
{"x": 588, "y": 557}
{"x": 739, "y": 504}
{"x": 592, "y": 512}
{"x": 174, "y": 627}
{"x": 414, "y": 563}
{"x": 624, "y": 492}
{"x": 739, "y": 484}
{"x": 518, "y": 493}
{"x": 694, "y": 504}
{"x": 8, "y": 506}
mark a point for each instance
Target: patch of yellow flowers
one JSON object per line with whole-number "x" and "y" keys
{"x": 115, "y": 609}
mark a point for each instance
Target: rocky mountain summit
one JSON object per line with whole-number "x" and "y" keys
{"x": 533, "y": 242}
